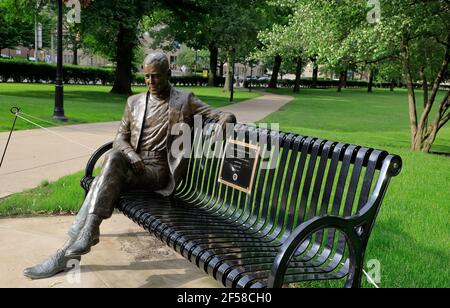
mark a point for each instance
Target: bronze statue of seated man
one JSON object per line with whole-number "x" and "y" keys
{"x": 141, "y": 158}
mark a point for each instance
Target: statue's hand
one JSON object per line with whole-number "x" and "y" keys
{"x": 136, "y": 162}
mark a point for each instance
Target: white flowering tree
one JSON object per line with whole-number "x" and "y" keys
{"x": 411, "y": 34}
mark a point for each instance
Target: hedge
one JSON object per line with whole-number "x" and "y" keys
{"x": 19, "y": 70}
{"x": 321, "y": 84}
{"x": 25, "y": 71}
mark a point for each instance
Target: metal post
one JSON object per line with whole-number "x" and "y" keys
{"x": 15, "y": 111}
{"x": 251, "y": 77}
{"x": 52, "y": 48}
{"x": 35, "y": 37}
{"x": 58, "y": 113}
{"x": 232, "y": 67}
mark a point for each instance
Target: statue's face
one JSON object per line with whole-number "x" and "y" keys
{"x": 156, "y": 78}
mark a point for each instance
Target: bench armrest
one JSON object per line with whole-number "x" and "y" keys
{"x": 95, "y": 157}
{"x": 302, "y": 233}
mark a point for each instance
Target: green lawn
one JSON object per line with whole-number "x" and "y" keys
{"x": 84, "y": 104}
{"x": 411, "y": 237}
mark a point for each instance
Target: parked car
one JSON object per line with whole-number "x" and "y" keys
{"x": 248, "y": 78}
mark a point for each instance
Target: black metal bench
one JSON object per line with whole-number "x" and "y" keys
{"x": 307, "y": 219}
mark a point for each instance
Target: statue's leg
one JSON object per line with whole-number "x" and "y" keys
{"x": 100, "y": 202}
{"x": 115, "y": 176}
{"x": 58, "y": 262}
{"x": 155, "y": 177}
{"x": 80, "y": 219}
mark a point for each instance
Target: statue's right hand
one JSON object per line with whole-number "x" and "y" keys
{"x": 136, "y": 162}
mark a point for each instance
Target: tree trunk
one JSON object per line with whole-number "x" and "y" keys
{"x": 298, "y": 74}
{"x": 345, "y": 79}
{"x": 229, "y": 78}
{"x": 124, "y": 57}
{"x": 315, "y": 75}
{"x": 341, "y": 81}
{"x": 276, "y": 70}
{"x": 370, "y": 86}
{"x": 411, "y": 95}
{"x": 213, "y": 59}
{"x": 75, "y": 55}
{"x": 425, "y": 97}
{"x": 392, "y": 85}
{"x": 426, "y": 136}
{"x": 441, "y": 118}
{"x": 221, "y": 64}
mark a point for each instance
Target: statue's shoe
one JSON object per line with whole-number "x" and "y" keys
{"x": 55, "y": 264}
{"x": 88, "y": 237}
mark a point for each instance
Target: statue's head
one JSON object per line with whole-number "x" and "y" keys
{"x": 157, "y": 73}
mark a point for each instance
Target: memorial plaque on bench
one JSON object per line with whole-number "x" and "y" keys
{"x": 239, "y": 165}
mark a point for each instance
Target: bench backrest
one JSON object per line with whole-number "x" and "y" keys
{"x": 312, "y": 177}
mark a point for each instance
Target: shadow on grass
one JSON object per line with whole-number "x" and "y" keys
{"x": 406, "y": 262}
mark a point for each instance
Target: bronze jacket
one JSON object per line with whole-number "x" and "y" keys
{"x": 183, "y": 106}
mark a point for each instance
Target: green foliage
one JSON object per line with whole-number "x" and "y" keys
{"x": 223, "y": 24}
{"x": 17, "y": 22}
{"x": 192, "y": 58}
{"x": 102, "y": 21}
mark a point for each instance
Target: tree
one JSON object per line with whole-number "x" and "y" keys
{"x": 193, "y": 59}
{"x": 72, "y": 40}
{"x": 18, "y": 19}
{"x": 9, "y": 36}
{"x": 416, "y": 35}
{"x": 413, "y": 33}
{"x": 227, "y": 26}
{"x": 428, "y": 30}
{"x": 284, "y": 46}
{"x": 113, "y": 28}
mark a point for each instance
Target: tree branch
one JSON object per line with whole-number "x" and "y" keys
{"x": 445, "y": 106}
{"x": 441, "y": 73}
{"x": 444, "y": 120}
{"x": 388, "y": 57}
{"x": 446, "y": 44}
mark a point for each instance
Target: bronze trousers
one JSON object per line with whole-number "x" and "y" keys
{"x": 116, "y": 177}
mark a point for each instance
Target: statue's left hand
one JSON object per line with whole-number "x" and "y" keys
{"x": 136, "y": 162}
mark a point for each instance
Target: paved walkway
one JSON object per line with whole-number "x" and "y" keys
{"x": 126, "y": 255}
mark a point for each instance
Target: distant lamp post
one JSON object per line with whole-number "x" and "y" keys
{"x": 233, "y": 68}
{"x": 58, "y": 113}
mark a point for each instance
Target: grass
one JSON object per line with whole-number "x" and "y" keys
{"x": 412, "y": 232}
{"x": 411, "y": 237}
{"x": 63, "y": 196}
{"x": 84, "y": 104}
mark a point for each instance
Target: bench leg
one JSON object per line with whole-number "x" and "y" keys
{"x": 355, "y": 271}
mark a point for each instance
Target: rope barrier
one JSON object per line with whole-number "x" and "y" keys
{"x": 17, "y": 114}
{"x": 59, "y": 126}
{"x": 54, "y": 133}
{"x": 370, "y": 280}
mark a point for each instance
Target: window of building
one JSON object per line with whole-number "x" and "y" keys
{"x": 18, "y": 52}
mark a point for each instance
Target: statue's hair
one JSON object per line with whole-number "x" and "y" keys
{"x": 157, "y": 58}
